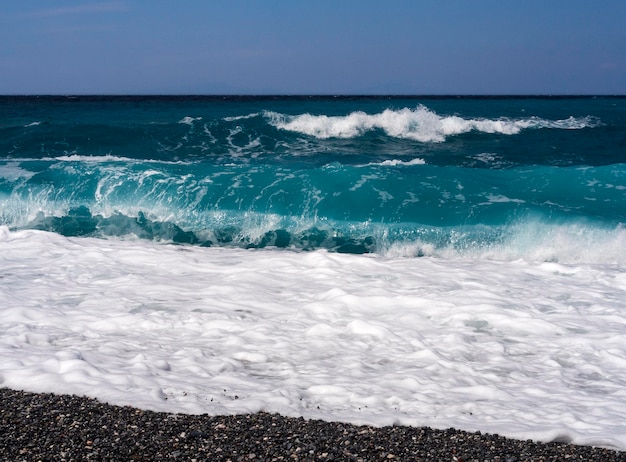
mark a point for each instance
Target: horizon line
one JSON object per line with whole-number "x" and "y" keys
{"x": 312, "y": 95}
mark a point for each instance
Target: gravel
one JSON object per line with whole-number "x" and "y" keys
{"x": 47, "y": 427}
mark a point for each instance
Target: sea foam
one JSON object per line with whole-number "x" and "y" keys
{"x": 527, "y": 350}
{"x": 419, "y": 124}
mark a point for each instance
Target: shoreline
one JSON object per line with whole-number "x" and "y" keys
{"x": 44, "y": 426}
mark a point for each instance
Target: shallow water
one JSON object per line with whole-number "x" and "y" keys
{"x": 523, "y": 349}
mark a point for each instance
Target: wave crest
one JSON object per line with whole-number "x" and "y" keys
{"x": 419, "y": 124}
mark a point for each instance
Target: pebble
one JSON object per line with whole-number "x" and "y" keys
{"x": 71, "y": 428}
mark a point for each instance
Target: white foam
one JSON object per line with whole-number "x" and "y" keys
{"x": 527, "y": 350}
{"x": 92, "y": 159}
{"x": 236, "y": 149}
{"x": 529, "y": 240}
{"x": 244, "y": 117}
{"x": 398, "y": 163}
{"x": 12, "y": 171}
{"x": 187, "y": 120}
{"x": 419, "y": 124}
{"x": 107, "y": 158}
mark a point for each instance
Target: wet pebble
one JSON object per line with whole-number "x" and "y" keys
{"x": 71, "y": 428}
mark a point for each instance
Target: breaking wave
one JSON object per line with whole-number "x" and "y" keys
{"x": 419, "y": 124}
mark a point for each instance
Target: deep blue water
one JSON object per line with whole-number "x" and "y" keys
{"x": 350, "y": 174}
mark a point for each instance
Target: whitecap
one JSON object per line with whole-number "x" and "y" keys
{"x": 188, "y": 120}
{"x": 419, "y": 124}
{"x": 401, "y": 163}
{"x": 108, "y": 158}
{"x": 244, "y": 117}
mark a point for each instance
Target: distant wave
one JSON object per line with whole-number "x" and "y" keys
{"x": 92, "y": 159}
{"x": 244, "y": 117}
{"x": 397, "y": 163}
{"x": 419, "y": 124}
{"x": 187, "y": 120}
{"x": 108, "y": 158}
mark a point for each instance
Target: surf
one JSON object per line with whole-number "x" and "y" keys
{"x": 419, "y": 124}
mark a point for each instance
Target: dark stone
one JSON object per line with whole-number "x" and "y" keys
{"x": 61, "y": 427}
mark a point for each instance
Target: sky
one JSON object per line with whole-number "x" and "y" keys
{"x": 313, "y": 47}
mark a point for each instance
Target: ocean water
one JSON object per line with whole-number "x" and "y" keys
{"x": 425, "y": 261}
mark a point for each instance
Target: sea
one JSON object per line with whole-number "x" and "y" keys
{"x": 383, "y": 260}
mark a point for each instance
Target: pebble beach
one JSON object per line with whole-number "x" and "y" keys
{"x": 49, "y": 427}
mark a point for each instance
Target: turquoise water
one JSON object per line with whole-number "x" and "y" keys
{"x": 430, "y": 176}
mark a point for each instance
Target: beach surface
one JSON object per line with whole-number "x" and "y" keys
{"x": 65, "y": 427}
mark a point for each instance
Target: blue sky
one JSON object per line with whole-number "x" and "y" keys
{"x": 313, "y": 47}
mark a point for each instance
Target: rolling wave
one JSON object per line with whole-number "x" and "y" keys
{"x": 420, "y": 124}
{"x": 390, "y": 207}
{"x": 530, "y": 239}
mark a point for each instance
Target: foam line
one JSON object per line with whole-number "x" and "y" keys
{"x": 419, "y": 124}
